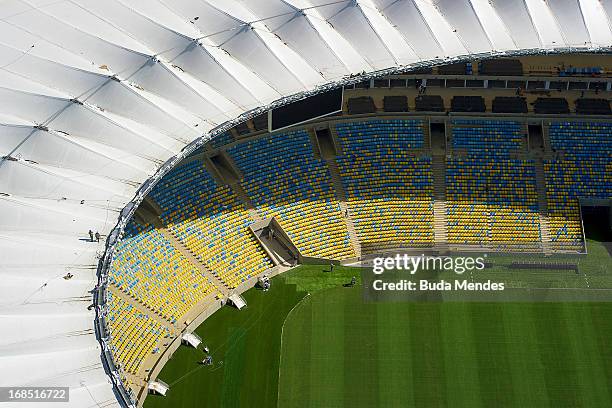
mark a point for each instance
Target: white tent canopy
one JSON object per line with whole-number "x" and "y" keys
{"x": 96, "y": 95}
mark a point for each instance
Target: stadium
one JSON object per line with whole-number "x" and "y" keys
{"x": 195, "y": 197}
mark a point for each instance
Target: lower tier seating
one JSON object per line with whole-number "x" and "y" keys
{"x": 222, "y": 240}
{"x": 133, "y": 334}
{"x": 389, "y": 191}
{"x": 390, "y": 199}
{"x": 584, "y": 170}
{"x": 283, "y": 179}
{"x": 147, "y": 267}
{"x": 211, "y": 222}
{"x": 488, "y": 137}
{"x": 566, "y": 182}
{"x": 492, "y": 203}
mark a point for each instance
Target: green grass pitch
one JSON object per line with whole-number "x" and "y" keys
{"x": 337, "y": 351}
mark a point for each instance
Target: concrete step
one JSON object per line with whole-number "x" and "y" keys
{"x": 546, "y": 137}
{"x": 334, "y": 134}
{"x": 336, "y": 179}
{"x": 440, "y": 218}
{"x": 543, "y": 206}
{"x": 244, "y": 199}
{"x": 341, "y": 197}
{"x": 219, "y": 284}
{"x": 427, "y": 136}
{"x": 315, "y": 144}
{"x": 440, "y": 224}
{"x": 144, "y": 308}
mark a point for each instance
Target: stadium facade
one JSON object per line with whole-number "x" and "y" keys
{"x": 100, "y": 99}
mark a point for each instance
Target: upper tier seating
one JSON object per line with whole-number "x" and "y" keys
{"x": 459, "y": 68}
{"x": 389, "y": 192}
{"x": 283, "y": 179}
{"x": 581, "y": 71}
{"x": 584, "y": 171}
{"x": 500, "y": 67}
{"x": 133, "y": 334}
{"x": 492, "y": 200}
{"x": 468, "y": 104}
{"x": 429, "y": 103}
{"x": 587, "y": 106}
{"x": 551, "y": 106}
{"x": 509, "y": 104}
{"x": 362, "y": 104}
{"x": 490, "y": 137}
{"x": 149, "y": 268}
{"x": 395, "y": 103}
{"x": 211, "y": 222}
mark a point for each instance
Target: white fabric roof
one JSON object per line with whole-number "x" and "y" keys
{"x": 96, "y": 95}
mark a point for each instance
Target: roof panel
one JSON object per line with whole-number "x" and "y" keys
{"x": 211, "y": 22}
{"x": 54, "y": 150}
{"x": 597, "y": 22}
{"x": 444, "y": 33}
{"x": 570, "y": 20}
{"x": 545, "y": 23}
{"x": 465, "y": 24}
{"x": 515, "y": 16}
{"x": 248, "y": 48}
{"x": 158, "y": 38}
{"x": 406, "y": 16}
{"x": 388, "y": 34}
{"x": 197, "y": 62}
{"x": 493, "y": 25}
{"x": 156, "y": 78}
{"x": 272, "y": 13}
{"x": 345, "y": 51}
{"x": 302, "y": 37}
{"x": 357, "y": 30}
{"x": 81, "y": 18}
{"x": 96, "y": 50}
